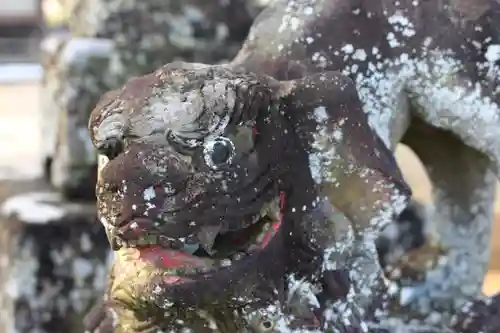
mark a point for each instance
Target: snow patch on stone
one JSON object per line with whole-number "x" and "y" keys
{"x": 83, "y": 48}
{"x": 19, "y": 72}
{"x": 35, "y": 207}
{"x": 12, "y": 173}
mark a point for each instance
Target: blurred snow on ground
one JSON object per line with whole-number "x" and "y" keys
{"x": 34, "y": 207}
{"x": 19, "y": 72}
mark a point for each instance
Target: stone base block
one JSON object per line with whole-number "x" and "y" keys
{"x": 53, "y": 260}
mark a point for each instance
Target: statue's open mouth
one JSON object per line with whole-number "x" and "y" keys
{"x": 211, "y": 249}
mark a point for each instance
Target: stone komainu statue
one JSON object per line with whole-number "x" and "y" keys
{"x": 111, "y": 41}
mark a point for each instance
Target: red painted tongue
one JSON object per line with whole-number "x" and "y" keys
{"x": 175, "y": 259}
{"x": 170, "y": 259}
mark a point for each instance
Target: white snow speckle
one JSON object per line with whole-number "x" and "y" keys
{"x": 348, "y": 48}
{"x": 360, "y": 54}
{"x": 320, "y": 114}
{"x": 308, "y": 11}
{"x": 493, "y": 53}
{"x": 13, "y": 72}
{"x": 149, "y": 194}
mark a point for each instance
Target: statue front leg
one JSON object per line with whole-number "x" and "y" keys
{"x": 358, "y": 186}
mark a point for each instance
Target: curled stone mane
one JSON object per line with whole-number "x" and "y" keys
{"x": 201, "y": 99}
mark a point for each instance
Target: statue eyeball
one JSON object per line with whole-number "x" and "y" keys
{"x": 218, "y": 152}
{"x": 111, "y": 148}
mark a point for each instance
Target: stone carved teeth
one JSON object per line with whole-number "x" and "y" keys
{"x": 116, "y": 243}
{"x": 238, "y": 255}
{"x": 273, "y": 209}
{"x": 225, "y": 263}
{"x": 191, "y": 243}
{"x": 263, "y": 233}
{"x": 187, "y": 270}
{"x": 206, "y": 237}
{"x": 270, "y": 209}
{"x": 132, "y": 243}
{"x": 150, "y": 240}
{"x": 190, "y": 248}
{"x": 166, "y": 242}
{"x": 252, "y": 248}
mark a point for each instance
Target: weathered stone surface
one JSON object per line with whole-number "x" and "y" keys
{"x": 145, "y": 35}
{"x": 150, "y": 33}
{"x": 482, "y": 315}
{"x": 53, "y": 260}
{"x": 50, "y": 47}
{"x": 76, "y": 74}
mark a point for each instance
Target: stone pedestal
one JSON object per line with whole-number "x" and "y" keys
{"x": 53, "y": 260}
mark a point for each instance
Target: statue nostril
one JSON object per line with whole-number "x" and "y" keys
{"x": 111, "y": 148}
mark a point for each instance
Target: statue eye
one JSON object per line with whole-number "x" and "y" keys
{"x": 111, "y": 148}
{"x": 218, "y": 152}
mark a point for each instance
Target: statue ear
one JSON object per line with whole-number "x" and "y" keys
{"x": 348, "y": 161}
